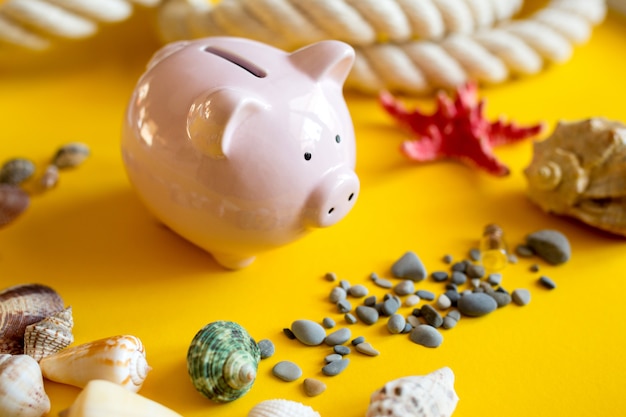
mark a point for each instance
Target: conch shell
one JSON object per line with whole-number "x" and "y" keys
{"x": 49, "y": 335}
{"x": 104, "y": 398}
{"x": 21, "y": 387}
{"x": 222, "y": 361}
{"x": 118, "y": 359}
{"x": 431, "y": 395}
{"x": 282, "y": 408}
{"x": 580, "y": 172}
{"x": 20, "y": 306}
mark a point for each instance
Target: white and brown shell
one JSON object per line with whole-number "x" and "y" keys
{"x": 13, "y": 202}
{"x": 118, "y": 359}
{"x": 282, "y": 408}
{"x": 431, "y": 395}
{"x": 21, "y": 306}
{"x": 49, "y": 335}
{"x": 580, "y": 171}
{"x": 21, "y": 387}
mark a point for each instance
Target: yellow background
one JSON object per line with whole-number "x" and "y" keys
{"x": 94, "y": 242}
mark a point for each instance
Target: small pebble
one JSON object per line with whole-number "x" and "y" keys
{"x": 330, "y": 276}
{"x": 475, "y": 282}
{"x": 308, "y": 332}
{"x": 534, "y": 268}
{"x": 17, "y": 170}
{"x": 476, "y": 304}
{"x": 335, "y": 367}
{"x": 447, "y": 259}
{"x": 367, "y": 315}
{"x": 313, "y": 387}
{"x": 474, "y": 254}
{"x": 426, "y": 335}
{"x": 71, "y": 155}
{"x": 494, "y": 278}
{"x": 412, "y": 300}
{"x": 405, "y": 287}
{"x": 344, "y": 306}
{"x": 460, "y": 266}
{"x": 431, "y": 316}
{"x": 439, "y": 276}
{"x": 521, "y": 296}
{"x": 366, "y": 349}
{"x": 50, "y": 177}
{"x": 547, "y": 282}
{"x": 287, "y": 371}
{"x": 413, "y": 320}
{"x": 458, "y": 278}
{"x": 502, "y": 297}
{"x": 407, "y": 327}
{"x": 443, "y": 302}
{"x": 390, "y": 306}
{"x": 512, "y": 258}
{"x": 396, "y": 323}
{"x": 409, "y": 266}
{"x": 332, "y": 357}
{"x": 475, "y": 271}
{"x": 337, "y": 294}
{"x": 524, "y": 251}
{"x": 338, "y": 337}
{"x": 358, "y": 291}
{"x": 266, "y": 347}
{"x": 383, "y": 283}
{"x": 342, "y": 350}
{"x": 451, "y": 319}
{"x": 344, "y": 284}
{"x": 425, "y": 295}
{"x": 328, "y": 323}
{"x": 453, "y": 295}
{"x": 349, "y": 318}
{"x": 357, "y": 340}
{"x": 550, "y": 245}
{"x": 370, "y": 301}
{"x": 289, "y": 333}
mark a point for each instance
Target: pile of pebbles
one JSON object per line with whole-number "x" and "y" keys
{"x": 483, "y": 294}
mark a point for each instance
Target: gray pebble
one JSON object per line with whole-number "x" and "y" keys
{"x": 390, "y": 306}
{"x": 266, "y": 347}
{"x": 494, "y": 278}
{"x": 330, "y": 276}
{"x": 396, "y": 323}
{"x": 338, "y": 337}
{"x": 521, "y": 296}
{"x": 370, "y": 301}
{"x": 426, "y": 335}
{"x": 287, "y": 371}
{"x": 476, "y": 304}
{"x": 425, "y": 295}
{"x": 550, "y": 245}
{"x": 344, "y": 306}
{"x": 357, "y": 340}
{"x": 308, "y": 332}
{"x": 358, "y": 291}
{"x": 453, "y": 295}
{"x": 344, "y": 284}
{"x": 458, "y": 278}
{"x": 407, "y": 327}
{"x": 366, "y": 349}
{"x": 524, "y": 251}
{"x": 335, "y": 367}
{"x": 405, "y": 287}
{"x": 342, "y": 350}
{"x": 447, "y": 259}
{"x": 547, "y": 282}
{"x": 412, "y": 300}
{"x": 368, "y": 315}
{"x": 332, "y": 357}
{"x": 383, "y": 283}
{"x": 451, "y": 319}
{"x": 534, "y": 268}
{"x": 413, "y": 320}
{"x": 460, "y": 266}
{"x": 443, "y": 302}
{"x": 474, "y": 254}
{"x": 289, "y": 333}
{"x": 350, "y": 319}
{"x": 475, "y": 271}
{"x": 501, "y": 296}
{"x": 328, "y": 323}
{"x": 409, "y": 266}
{"x": 431, "y": 316}
{"x": 439, "y": 276}
{"x": 337, "y": 294}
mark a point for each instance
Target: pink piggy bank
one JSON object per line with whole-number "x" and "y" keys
{"x": 240, "y": 147}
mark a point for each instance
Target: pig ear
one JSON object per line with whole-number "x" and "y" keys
{"x": 325, "y": 60}
{"x": 213, "y": 118}
{"x": 166, "y": 51}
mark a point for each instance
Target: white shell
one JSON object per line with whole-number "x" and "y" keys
{"x": 21, "y": 387}
{"x": 431, "y": 395}
{"x": 103, "y": 398}
{"x": 49, "y": 335}
{"x": 118, "y": 359}
{"x": 282, "y": 408}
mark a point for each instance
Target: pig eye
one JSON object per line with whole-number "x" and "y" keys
{"x": 338, "y": 139}
{"x": 307, "y": 156}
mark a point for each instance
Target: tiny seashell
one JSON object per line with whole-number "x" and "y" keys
{"x": 21, "y": 387}
{"x": 431, "y": 395}
{"x": 104, "y": 398}
{"x": 13, "y": 202}
{"x": 222, "y": 361}
{"x": 16, "y": 170}
{"x": 50, "y": 177}
{"x": 49, "y": 335}
{"x": 118, "y": 359}
{"x": 22, "y": 305}
{"x": 70, "y": 155}
{"x": 282, "y": 408}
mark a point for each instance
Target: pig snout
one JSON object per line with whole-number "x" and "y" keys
{"x": 333, "y": 198}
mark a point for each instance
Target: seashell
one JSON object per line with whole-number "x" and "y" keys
{"x": 222, "y": 361}
{"x": 431, "y": 395}
{"x": 282, "y": 408}
{"x": 20, "y": 306}
{"x": 13, "y": 202}
{"x": 17, "y": 170}
{"x": 49, "y": 335}
{"x": 49, "y": 178}
{"x": 580, "y": 171}
{"x": 21, "y": 387}
{"x": 118, "y": 359}
{"x": 70, "y": 155}
{"x": 104, "y": 398}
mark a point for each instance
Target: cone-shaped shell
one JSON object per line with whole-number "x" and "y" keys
{"x": 104, "y": 398}
{"x": 49, "y": 335}
{"x": 13, "y": 202}
{"x": 431, "y": 395}
{"x": 21, "y": 387}
{"x": 118, "y": 359}
{"x": 21, "y": 306}
{"x": 222, "y": 361}
{"x": 282, "y": 408}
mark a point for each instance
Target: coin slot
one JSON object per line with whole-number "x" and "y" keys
{"x": 237, "y": 60}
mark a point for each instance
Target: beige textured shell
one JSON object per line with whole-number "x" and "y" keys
{"x": 49, "y": 335}
{"x": 431, "y": 395}
{"x": 580, "y": 172}
{"x": 118, "y": 359}
{"x": 282, "y": 408}
{"x": 21, "y": 387}
{"x": 21, "y": 306}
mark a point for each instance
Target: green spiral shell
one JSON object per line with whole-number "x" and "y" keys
{"x": 222, "y": 361}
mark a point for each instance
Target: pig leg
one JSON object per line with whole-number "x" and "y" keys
{"x": 231, "y": 261}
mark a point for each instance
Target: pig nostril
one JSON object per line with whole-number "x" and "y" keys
{"x": 350, "y": 198}
{"x": 331, "y": 210}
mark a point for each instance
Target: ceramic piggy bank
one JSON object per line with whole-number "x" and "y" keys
{"x": 241, "y": 147}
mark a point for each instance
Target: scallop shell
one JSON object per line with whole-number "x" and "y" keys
{"x": 49, "y": 335}
{"x": 282, "y": 408}
{"x": 104, "y": 398}
{"x": 16, "y": 170}
{"x": 580, "y": 172}
{"x": 222, "y": 361}
{"x": 118, "y": 359}
{"x": 21, "y": 306}
{"x": 70, "y": 155}
{"x": 13, "y": 202}
{"x": 21, "y": 387}
{"x": 431, "y": 395}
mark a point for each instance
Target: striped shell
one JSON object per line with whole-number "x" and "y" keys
{"x": 21, "y": 306}
{"x": 21, "y": 387}
{"x": 70, "y": 155}
{"x": 16, "y": 170}
{"x": 118, "y": 359}
{"x": 13, "y": 202}
{"x": 49, "y": 335}
{"x": 222, "y": 361}
{"x": 431, "y": 395}
{"x": 282, "y": 408}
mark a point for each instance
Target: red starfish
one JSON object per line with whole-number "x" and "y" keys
{"x": 458, "y": 129}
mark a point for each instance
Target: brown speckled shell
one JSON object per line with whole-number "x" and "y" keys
{"x": 13, "y": 202}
